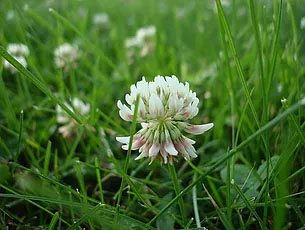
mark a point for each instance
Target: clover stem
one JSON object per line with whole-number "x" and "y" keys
{"x": 172, "y": 170}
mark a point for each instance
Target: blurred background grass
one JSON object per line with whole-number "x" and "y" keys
{"x": 187, "y": 44}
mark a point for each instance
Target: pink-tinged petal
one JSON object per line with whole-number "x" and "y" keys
{"x": 142, "y": 155}
{"x": 123, "y": 140}
{"x": 179, "y": 146}
{"x": 198, "y": 129}
{"x": 154, "y": 150}
{"x": 137, "y": 144}
{"x": 170, "y": 148}
{"x": 188, "y": 140}
{"x": 144, "y": 125}
{"x": 189, "y": 149}
{"x": 164, "y": 154}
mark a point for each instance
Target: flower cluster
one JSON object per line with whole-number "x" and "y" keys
{"x": 101, "y": 19}
{"x": 69, "y": 125}
{"x": 66, "y": 55}
{"x": 165, "y": 105}
{"x": 19, "y": 52}
{"x": 142, "y": 42}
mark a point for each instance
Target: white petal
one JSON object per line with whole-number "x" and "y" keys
{"x": 156, "y": 108}
{"x": 179, "y": 146}
{"x": 155, "y": 148}
{"x": 198, "y": 129}
{"x": 189, "y": 149}
{"x": 123, "y": 140}
{"x": 189, "y": 140}
{"x": 170, "y": 148}
{"x": 142, "y": 155}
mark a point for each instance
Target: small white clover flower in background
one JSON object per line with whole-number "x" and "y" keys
{"x": 165, "y": 106}
{"x": 302, "y": 23}
{"x": 66, "y": 55}
{"x": 68, "y": 124}
{"x": 101, "y": 19}
{"x": 19, "y": 51}
{"x": 142, "y": 43}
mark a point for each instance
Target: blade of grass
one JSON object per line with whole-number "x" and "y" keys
{"x": 274, "y": 49}
{"x": 47, "y": 159}
{"x": 99, "y": 179}
{"x": 132, "y": 132}
{"x": 53, "y": 221}
{"x": 20, "y": 137}
{"x": 251, "y": 209}
{"x": 297, "y": 126}
{"x": 221, "y": 215}
{"x": 260, "y": 57}
{"x": 172, "y": 171}
{"x": 195, "y": 203}
{"x": 90, "y": 214}
{"x": 228, "y": 189}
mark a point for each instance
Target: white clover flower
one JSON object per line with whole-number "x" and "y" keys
{"x": 69, "y": 125}
{"x": 65, "y": 55}
{"x": 165, "y": 106}
{"x": 302, "y": 23}
{"x": 101, "y": 19}
{"x": 142, "y": 42}
{"x": 19, "y": 51}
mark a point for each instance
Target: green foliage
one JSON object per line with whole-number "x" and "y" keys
{"x": 240, "y": 57}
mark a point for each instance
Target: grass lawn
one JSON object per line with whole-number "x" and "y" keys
{"x": 64, "y": 65}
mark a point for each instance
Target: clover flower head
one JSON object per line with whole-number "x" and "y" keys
{"x": 19, "y": 51}
{"x": 101, "y": 19}
{"x": 142, "y": 43}
{"x": 68, "y": 124}
{"x": 65, "y": 55}
{"x": 165, "y": 106}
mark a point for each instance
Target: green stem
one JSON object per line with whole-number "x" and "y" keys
{"x": 172, "y": 170}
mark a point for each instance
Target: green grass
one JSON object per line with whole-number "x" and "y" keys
{"x": 241, "y": 59}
